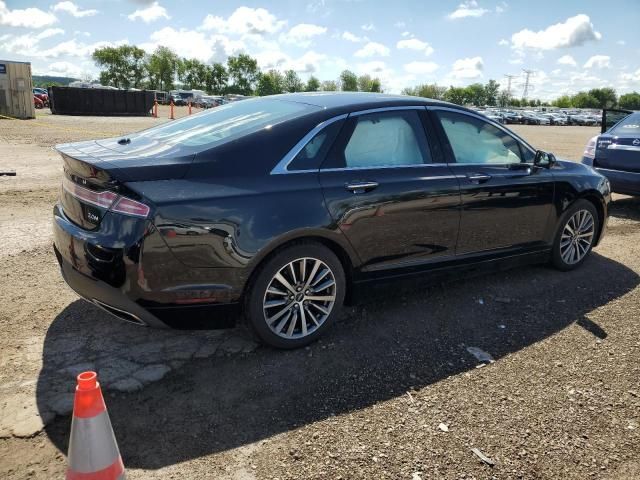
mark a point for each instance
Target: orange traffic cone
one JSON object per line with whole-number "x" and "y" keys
{"x": 93, "y": 451}
{"x": 171, "y": 117}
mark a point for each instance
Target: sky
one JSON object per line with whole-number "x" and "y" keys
{"x": 569, "y": 45}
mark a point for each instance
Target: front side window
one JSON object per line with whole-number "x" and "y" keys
{"x": 386, "y": 139}
{"x": 475, "y": 141}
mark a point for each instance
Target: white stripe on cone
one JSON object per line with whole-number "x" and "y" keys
{"x": 92, "y": 446}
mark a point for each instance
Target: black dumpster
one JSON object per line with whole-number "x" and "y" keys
{"x": 99, "y": 101}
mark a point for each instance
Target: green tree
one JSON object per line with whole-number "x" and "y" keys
{"x": 426, "y": 90}
{"x": 476, "y": 94}
{"x": 630, "y": 101}
{"x": 313, "y": 84}
{"x": 606, "y": 97}
{"x": 123, "y": 66}
{"x": 329, "y": 86}
{"x": 563, "y": 101}
{"x": 491, "y": 90}
{"x": 457, "y": 95}
{"x": 193, "y": 74}
{"x": 291, "y": 82}
{"x": 504, "y": 99}
{"x": 162, "y": 67}
{"x": 368, "y": 84}
{"x": 348, "y": 81}
{"x": 243, "y": 74}
{"x": 217, "y": 78}
{"x": 270, "y": 83}
{"x": 584, "y": 100}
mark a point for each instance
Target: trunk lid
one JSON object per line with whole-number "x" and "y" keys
{"x": 97, "y": 172}
{"x": 618, "y": 152}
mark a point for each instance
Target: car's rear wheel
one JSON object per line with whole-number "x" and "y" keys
{"x": 576, "y": 235}
{"x": 296, "y": 295}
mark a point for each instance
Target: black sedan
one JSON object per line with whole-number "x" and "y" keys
{"x": 616, "y": 153}
{"x": 283, "y": 205}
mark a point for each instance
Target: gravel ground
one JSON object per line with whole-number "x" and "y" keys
{"x": 396, "y": 390}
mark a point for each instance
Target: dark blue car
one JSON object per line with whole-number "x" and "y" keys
{"x": 616, "y": 152}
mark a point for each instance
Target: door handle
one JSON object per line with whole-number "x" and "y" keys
{"x": 360, "y": 187}
{"x": 478, "y": 177}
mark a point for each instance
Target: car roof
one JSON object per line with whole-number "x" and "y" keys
{"x": 357, "y": 100}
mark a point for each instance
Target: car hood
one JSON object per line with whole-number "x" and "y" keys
{"x": 138, "y": 159}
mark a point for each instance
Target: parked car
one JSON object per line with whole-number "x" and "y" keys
{"x": 42, "y": 95}
{"x": 282, "y": 205}
{"x": 177, "y": 100}
{"x": 582, "y": 120}
{"x": 37, "y": 102}
{"x": 512, "y": 117}
{"x": 208, "y": 101}
{"x": 534, "y": 118}
{"x": 616, "y": 151}
{"x": 554, "y": 118}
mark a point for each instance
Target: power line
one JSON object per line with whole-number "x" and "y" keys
{"x": 527, "y": 73}
{"x": 509, "y": 78}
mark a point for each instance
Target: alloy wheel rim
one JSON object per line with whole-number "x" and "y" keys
{"x": 577, "y": 237}
{"x": 299, "y": 298}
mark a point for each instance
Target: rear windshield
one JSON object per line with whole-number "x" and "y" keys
{"x": 628, "y": 125}
{"x": 227, "y": 122}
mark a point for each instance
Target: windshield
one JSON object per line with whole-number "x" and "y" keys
{"x": 227, "y": 122}
{"x": 629, "y": 125}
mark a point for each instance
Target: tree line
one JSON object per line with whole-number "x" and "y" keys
{"x": 128, "y": 66}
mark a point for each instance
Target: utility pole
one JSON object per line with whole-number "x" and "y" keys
{"x": 509, "y": 78}
{"x": 527, "y": 74}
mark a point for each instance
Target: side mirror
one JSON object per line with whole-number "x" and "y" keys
{"x": 544, "y": 159}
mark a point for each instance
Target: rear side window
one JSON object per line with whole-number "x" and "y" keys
{"x": 227, "y": 122}
{"x": 386, "y": 139}
{"x": 311, "y": 156}
{"x": 475, "y": 141}
{"x": 629, "y": 125}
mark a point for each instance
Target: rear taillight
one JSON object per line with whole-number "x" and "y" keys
{"x": 127, "y": 206}
{"x": 590, "y": 149}
{"x": 106, "y": 199}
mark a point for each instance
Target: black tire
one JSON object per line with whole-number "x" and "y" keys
{"x": 557, "y": 259}
{"x": 256, "y": 294}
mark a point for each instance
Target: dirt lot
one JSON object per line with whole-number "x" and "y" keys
{"x": 392, "y": 391}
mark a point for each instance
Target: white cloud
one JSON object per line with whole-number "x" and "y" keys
{"x": 306, "y": 64}
{"x": 245, "y": 20}
{"x": 621, "y": 42}
{"x": 415, "y": 44}
{"x": 503, "y": 42}
{"x": 400, "y": 24}
{"x": 573, "y": 32}
{"x": 598, "y": 61}
{"x": 467, "y": 68}
{"x": 72, "y": 9}
{"x": 302, "y": 34}
{"x": 368, "y": 27}
{"x": 350, "y": 37}
{"x": 501, "y": 7}
{"x": 629, "y": 81}
{"x": 65, "y": 69}
{"x": 28, "y": 17}
{"x": 421, "y": 68}
{"x": 406, "y": 34}
{"x": 194, "y": 44}
{"x": 26, "y": 44}
{"x": 150, "y": 14}
{"x": 468, "y": 8}
{"x": 373, "y": 49}
{"x": 567, "y": 60}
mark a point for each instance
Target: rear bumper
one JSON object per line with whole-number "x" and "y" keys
{"x": 136, "y": 278}
{"x": 627, "y": 183}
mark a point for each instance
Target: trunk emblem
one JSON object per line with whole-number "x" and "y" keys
{"x": 636, "y": 142}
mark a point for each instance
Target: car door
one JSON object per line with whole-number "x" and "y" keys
{"x": 387, "y": 195}
{"x": 506, "y": 200}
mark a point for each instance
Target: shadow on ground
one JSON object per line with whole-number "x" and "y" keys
{"x": 627, "y": 208}
{"x": 397, "y": 338}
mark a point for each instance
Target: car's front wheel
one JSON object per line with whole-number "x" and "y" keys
{"x": 296, "y": 295}
{"x": 576, "y": 235}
